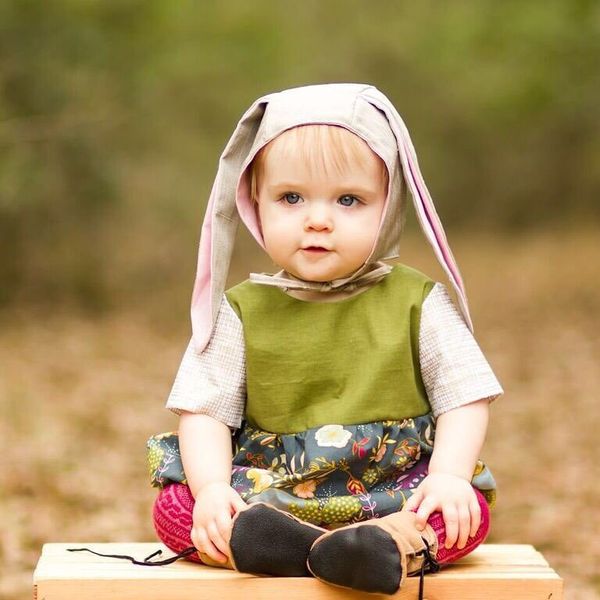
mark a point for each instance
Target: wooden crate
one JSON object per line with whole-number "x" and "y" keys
{"x": 490, "y": 572}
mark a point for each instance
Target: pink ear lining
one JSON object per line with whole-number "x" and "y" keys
{"x": 203, "y": 309}
{"x": 432, "y": 218}
{"x": 426, "y": 209}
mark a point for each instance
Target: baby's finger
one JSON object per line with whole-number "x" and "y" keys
{"x": 426, "y": 507}
{"x": 205, "y": 546}
{"x": 475, "y": 511}
{"x": 198, "y": 538}
{"x": 464, "y": 526}
{"x": 238, "y": 504}
{"x": 224, "y": 522}
{"x": 413, "y": 502}
{"x": 213, "y": 552}
{"x": 451, "y": 523}
{"x": 217, "y": 540}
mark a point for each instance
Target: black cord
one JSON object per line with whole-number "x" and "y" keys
{"x": 429, "y": 565}
{"x": 147, "y": 562}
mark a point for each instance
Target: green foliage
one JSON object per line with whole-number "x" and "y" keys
{"x": 113, "y": 114}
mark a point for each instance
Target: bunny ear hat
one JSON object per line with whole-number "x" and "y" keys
{"x": 366, "y": 112}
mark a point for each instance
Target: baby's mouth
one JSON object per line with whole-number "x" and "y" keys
{"x": 315, "y": 249}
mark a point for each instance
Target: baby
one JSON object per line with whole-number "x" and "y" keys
{"x": 337, "y": 407}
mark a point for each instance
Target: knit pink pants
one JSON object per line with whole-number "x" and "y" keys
{"x": 174, "y": 506}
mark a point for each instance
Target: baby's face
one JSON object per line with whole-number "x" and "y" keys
{"x": 320, "y": 227}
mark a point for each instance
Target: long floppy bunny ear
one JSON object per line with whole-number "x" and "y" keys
{"x": 220, "y": 225}
{"x": 425, "y": 209}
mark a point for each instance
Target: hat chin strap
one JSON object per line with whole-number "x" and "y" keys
{"x": 376, "y": 272}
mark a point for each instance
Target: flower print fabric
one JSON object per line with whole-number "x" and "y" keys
{"x": 332, "y": 436}
{"x": 329, "y": 475}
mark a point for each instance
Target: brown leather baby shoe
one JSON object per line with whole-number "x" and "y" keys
{"x": 376, "y": 555}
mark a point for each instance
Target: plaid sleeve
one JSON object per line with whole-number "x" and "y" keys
{"x": 453, "y": 367}
{"x": 213, "y": 382}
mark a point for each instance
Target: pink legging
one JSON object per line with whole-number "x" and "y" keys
{"x": 174, "y": 506}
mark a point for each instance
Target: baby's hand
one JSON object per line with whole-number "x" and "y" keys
{"x": 216, "y": 505}
{"x": 455, "y": 498}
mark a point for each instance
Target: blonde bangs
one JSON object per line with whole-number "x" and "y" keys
{"x": 327, "y": 149}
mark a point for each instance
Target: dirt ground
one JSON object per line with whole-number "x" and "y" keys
{"x": 79, "y": 397}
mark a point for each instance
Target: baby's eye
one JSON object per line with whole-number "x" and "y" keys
{"x": 348, "y": 200}
{"x": 291, "y": 198}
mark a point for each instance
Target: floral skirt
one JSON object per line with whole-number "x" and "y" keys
{"x": 331, "y": 475}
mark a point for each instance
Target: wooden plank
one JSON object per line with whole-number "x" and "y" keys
{"x": 492, "y": 572}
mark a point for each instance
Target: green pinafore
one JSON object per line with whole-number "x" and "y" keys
{"x": 338, "y": 428}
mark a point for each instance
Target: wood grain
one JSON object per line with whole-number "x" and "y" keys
{"x": 493, "y": 572}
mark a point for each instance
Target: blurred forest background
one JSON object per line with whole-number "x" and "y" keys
{"x": 113, "y": 114}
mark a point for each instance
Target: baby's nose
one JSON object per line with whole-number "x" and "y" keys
{"x": 319, "y": 217}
